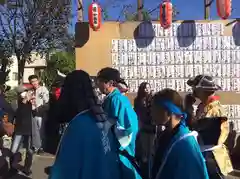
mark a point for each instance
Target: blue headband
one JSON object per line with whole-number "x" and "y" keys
{"x": 172, "y": 108}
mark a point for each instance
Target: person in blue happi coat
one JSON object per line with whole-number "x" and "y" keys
{"x": 88, "y": 148}
{"x": 178, "y": 155}
{"x": 118, "y": 106}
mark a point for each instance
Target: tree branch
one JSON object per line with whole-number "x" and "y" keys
{"x": 35, "y": 25}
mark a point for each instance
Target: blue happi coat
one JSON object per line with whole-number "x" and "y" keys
{"x": 185, "y": 160}
{"x": 118, "y": 106}
{"x": 86, "y": 152}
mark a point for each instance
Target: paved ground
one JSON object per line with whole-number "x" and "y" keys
{"x": 40, "y": 162}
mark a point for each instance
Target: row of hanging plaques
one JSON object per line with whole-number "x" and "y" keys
{"x": 181, "y": 85}
{"x": 176, "y": 57}
{"x": 181, "y": 29}
{"x": 179, "y": 71}
{"x": 174, "y": 43}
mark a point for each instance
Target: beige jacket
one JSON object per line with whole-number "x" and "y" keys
{"x": 215, "y": 109}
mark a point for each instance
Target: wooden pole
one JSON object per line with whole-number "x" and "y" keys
{"x": 139, "y": 10}
{"x": 80, "y": 10}
{"x": 207, "y": 5}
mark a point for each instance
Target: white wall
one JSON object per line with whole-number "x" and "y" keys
{"x": 29, "y": 69}
{"x": 13, "y": 70}
{"x": 27, "y": 73}
{"x": 36, "y": 61}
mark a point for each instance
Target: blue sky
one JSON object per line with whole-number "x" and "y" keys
{"x": 189, "y": 9}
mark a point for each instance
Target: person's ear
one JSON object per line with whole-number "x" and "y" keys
{"x": 169, "y": 118}
{"x": 111, "y": 83}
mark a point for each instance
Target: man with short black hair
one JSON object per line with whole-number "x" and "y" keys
{"x": 39, "y": 111}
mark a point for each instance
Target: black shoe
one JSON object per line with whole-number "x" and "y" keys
{"x": 27, "y": 172}
{"x": 47, "y": 170}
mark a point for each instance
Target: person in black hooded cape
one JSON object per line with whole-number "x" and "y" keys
{"x": 52, "y": 123}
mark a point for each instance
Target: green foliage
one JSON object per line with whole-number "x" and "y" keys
{"x": 62, "y": 61}
{"x": 28, "y": 26}
{"x": 105, "y": 14}
{"x": 134, "y": 17}
{"x": 129, "y": 13}
{"x": 11, "y": 96}
{"x": 5, "y": 62}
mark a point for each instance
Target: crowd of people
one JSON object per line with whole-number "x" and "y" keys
{"x": 106, "y": 137}
{"x": 25, "y": 124}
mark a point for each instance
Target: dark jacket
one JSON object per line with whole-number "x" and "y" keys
{"x": 23, "y": 121}
{"x": 141, "y": 107}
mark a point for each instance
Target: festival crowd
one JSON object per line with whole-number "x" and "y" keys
{"x": 104, "y": 136}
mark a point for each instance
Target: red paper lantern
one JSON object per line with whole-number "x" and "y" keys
{"x": 94, "y": 16}
{"x": 166, "y": 11}
{"x": 224, "y": 8}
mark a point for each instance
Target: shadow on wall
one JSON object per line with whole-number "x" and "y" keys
{"x": 144, "y": 34}
{"x": 236, "y": 33}
{"x": 186, "y": 33}
{"x": 81, "y": 34}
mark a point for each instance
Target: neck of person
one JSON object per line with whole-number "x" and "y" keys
{"x": 37, "y": 87}
{"x": 172, "y": 124}
{"x": 205, "y": 99}
{"x": 111, "y": 89}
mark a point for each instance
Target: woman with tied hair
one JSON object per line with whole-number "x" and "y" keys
{"x": 178, "y": 155}
{"x": 118, "y": 107}
{"x": 88, "y": 148}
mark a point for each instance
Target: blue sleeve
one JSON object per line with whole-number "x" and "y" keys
{"x": 188, "y": 162}
{"x": 67, "y": 163}
{"x": 119, "y": 111}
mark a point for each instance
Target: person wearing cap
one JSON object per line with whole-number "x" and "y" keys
{"x": 178, "y": 155}
{"x": 118, "y": 107}
{"x": 88, "y": 148}
{"x": 204, "y": 89}
{"x": 23, "y": 131}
